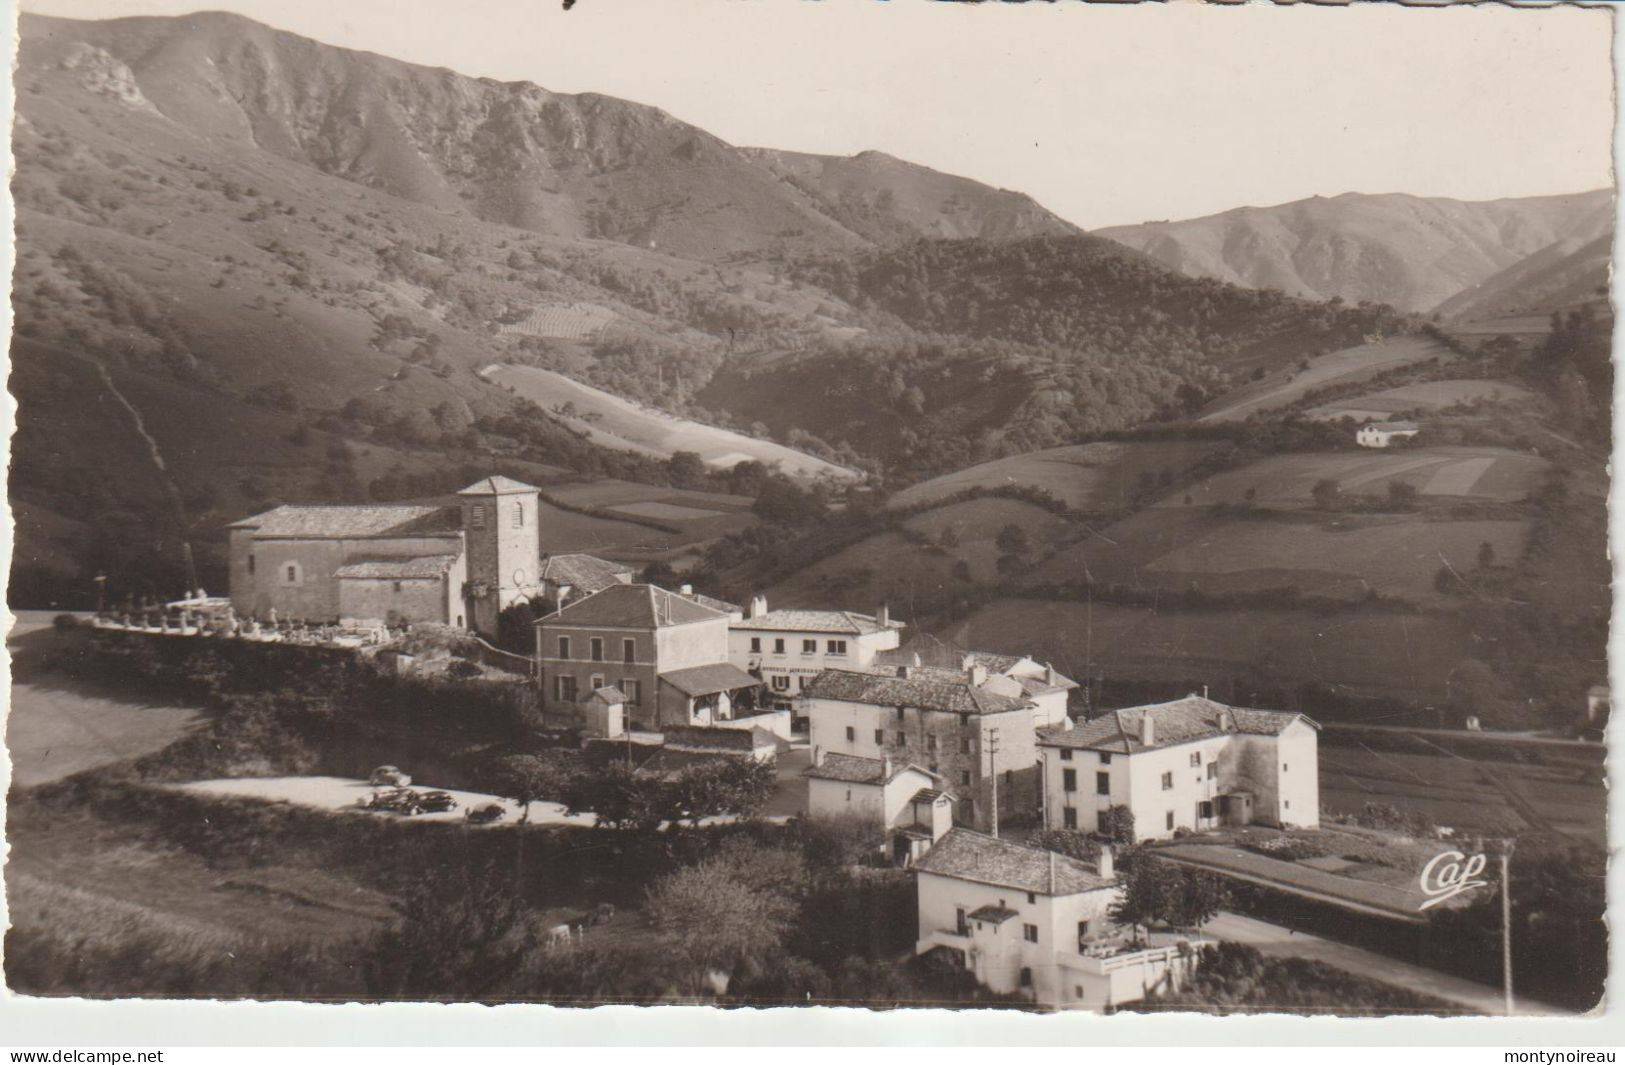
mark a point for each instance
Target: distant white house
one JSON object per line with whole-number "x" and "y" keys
{"x": 906, "y": 802}
{"x": 1036, "y": 924}
{"x": 1380, "y": 434}
{"x": 1189, "y": 764}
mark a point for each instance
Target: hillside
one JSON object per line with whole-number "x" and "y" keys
{"x": 1557, "y": 277}
{"x": 1407, "y": 251}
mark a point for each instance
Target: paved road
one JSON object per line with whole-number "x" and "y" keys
{"x": 1284, "y": 943}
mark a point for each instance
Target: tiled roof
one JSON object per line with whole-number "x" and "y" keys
{"x": 1173, "y": 723}
{"x": 607, "y": 694}
{"x": 710, "y": 679}
{"x": 667, "y": 762}
{"x": 351, "y": 522}
{"x": 967, "y": 855}
{"x": 398, "y": 569}
{"x": 721, "y": 606}
{"x": 856, "y": 769}
{"x": 584, "y": 573}
{"x": 924, "y": 688}
{"x": 935, "y": 651}
{"x": 1395, "y": 427}
{"x": 631, "y": 606}
{"x": 719, "y": 739}
{"x": 928, "y": 795}
{"x": 836, "y": 621}
{"x": 994, "y": 914}
{"x": 497, "y": 486}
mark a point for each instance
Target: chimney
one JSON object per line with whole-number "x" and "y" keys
{"x": 914, "y": 660}
{"x": 1051, "y": 872}
{"x": 1104, "y": 864}
{"x": 1148, "y": 731}
{"x": 817, "y": 755}
{"x": 685, "y": 590}
{"x": 885, "y": 768}
{"x": 1049, "y": 675}
{"x": 883, "y": 615}
{"x": 758, "y": 606}
{"x": 976, "y": 674}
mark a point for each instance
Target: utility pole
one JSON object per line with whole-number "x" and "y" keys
{"x": 1506, "y": 921}
{"x": 993, "y": 775}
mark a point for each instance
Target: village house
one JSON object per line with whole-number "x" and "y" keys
{"x": 666, "y": 654}
{"x": 1190, "y": 764}
{"x": 1381, "y": 434}
{"x": 390, "y": 564}
{"x": 973, "y": 729}
{"x": 1035, "y": 923}
{"x": 574, "y": 576}
{"x": 788, "y": 648}
{"x": 906, "y": 803}
{"x": 687, "y": 746}
{"x": 1048, "y": 689}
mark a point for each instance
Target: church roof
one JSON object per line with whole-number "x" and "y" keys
{"x": 349, "y": 522}
{"x": 397, "y": 569}
{"x": 497, "y": 486}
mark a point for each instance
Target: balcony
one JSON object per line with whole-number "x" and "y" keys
{"x": 944, "y": 937}
{"x": 1103, "y": 964}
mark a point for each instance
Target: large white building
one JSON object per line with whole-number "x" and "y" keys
{"x": 1035, "y": 923}
{"x": 788, "y": 648}
{"x": 1193, "y": 764}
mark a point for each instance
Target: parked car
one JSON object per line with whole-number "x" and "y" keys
{"x": 485, "y": 813}
{"x": 434, "y": 802}
{"x": 392, "y": 800}
{"x": 388, "y": 776}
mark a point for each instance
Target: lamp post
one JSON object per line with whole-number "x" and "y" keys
{"x": 1506, "y": 921}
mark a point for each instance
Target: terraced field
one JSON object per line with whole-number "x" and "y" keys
{"x": 1425, "y": 395}
{"x": 1094, "y": 478}
{"x": 564, "y": 321}
{"x": 1350, "y": 364}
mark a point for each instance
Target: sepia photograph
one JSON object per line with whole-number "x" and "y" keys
{"x": 1041, "y": 508}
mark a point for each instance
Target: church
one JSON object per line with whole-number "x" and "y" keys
{"x": 392, "y": 563}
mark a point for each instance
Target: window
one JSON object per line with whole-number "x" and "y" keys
{"x": 1009, "y": 776}
{"x": 1287, "y": 805}
{"x": 633, "y": 691}
{"x": 597, "y": 646}
{"x": 848, "y": 794}
{"x": 902, "y": 739}
{"x": 809, "y": 647}
{"x": 290, "y": 573}
{"x": 250, "y": 563}
{"x": 1032, "y": 899}
{"x": 964, "y": 745}
{"x": 1027, "y": 974}
{"x": 1213, "y": 770}
{"x": 476, "y": 515}
{"x": 964, "y": 778}
{"x": 755, "y": 645}
{"x": 564, "y": 689}
{"x": 564, "y": 647}
{"x": 782, "y": 684}
{"x": 1167, "y": 782}
{"x": 899, "y": 713}
{"x": 597, "y": 681}
{"x": 880, "y": 737}
{"x": 1283, "y": 767}
{"x": 1069, "y": 780}
{"x": 1066, "y": 754}
{"x": 836, "y": 647}
{"x": 397, "y": 588}
{"x": 801, "y": 683}
{"x": 1029, "y": 932}
{"x": 1100, "y": 820}
{"x": 519, "y": 516}
{"x": 1105, "y": 758}
{"x": 961, "y": 925}
{"x": 778, "y": 647}
{"x": 1069, "y": 817}
{"x": 629, "y": 650}
{"x": 1196, "y": 759}
{"x": 1103, "y": 783}
{"x": 1170, "y": 820}
{"x": 930, "y": 743}
{"x": 1204, "y": 809}
{"x": 850, "y": 734}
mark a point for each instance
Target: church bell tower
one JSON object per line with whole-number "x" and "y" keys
{"x": 500, "y": 518}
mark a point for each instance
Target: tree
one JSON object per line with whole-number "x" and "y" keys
{"x": 461, "y": 935}
{"x": 1325, "y": 493}
{"x": 1013, "y": 540}
{"x": 734, "y": 907}
{"x": 528, "y": 778}
{"x": 687, "y": 469}
{"x": 1142, "y": 900}
{"x": 621, "y": 798}
{"x": 1118, "y": 825}
{"x": 1196, "y": 895}
{"x": 729, "y": 786}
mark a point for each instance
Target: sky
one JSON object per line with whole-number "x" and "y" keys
{"x": 1106, "y": 114}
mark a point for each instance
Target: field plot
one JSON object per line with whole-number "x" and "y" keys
{"x": 1426, "y": 395}
{"x": 1288, "y": 480}
{"x": 891, "y": 568}
{"x": 563, "y": 321}
{"x": 1525, "y": 326}
{"x": 1350, "y": 364}
{"x": 1372, "y": 653}
{"x": 1087, "y": 477}
{"x": 619, "y": 423}
{"x": 1466, "y": 794}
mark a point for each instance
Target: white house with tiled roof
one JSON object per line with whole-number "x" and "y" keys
{"x": 1188, "y": 764}
{"x": 788, "y": 648}
{"x": 1043, "y": 684}
{"x": 666, "y": 653}
{"x": 1381, "y": 434}
{"x": 571, "y": 576}
{"x": 907, "y": 803}
{"x": 396, "y": 563}
{"x": 1035, "y": 923}
{"x": 973, "y": 728}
